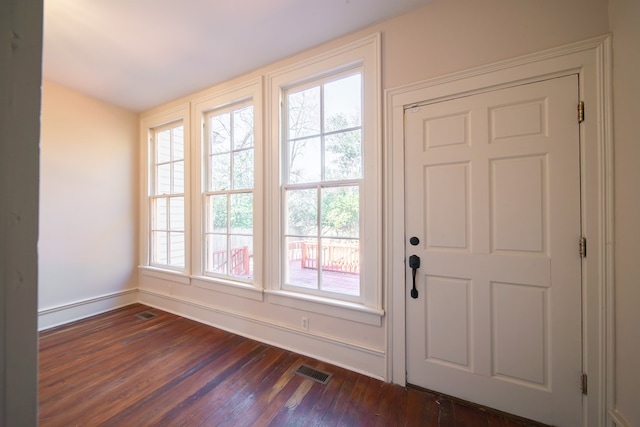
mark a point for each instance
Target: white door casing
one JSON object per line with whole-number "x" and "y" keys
{"x": 493, "y": 194}
{"x": 591, "y": 61}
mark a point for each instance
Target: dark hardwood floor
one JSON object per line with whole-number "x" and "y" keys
{"x": 117, "y": 369}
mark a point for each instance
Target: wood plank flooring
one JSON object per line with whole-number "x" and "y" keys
{"x": 117, "y": 369}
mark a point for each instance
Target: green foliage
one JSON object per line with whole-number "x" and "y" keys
{"x": 219, "y": 213}
{"x": 240, "y": 216}
{"x": 302, "y": 211}
{"x": 241, "y": 212}
{"x": 340, "y": 211}
{"x": 343, "y": 150}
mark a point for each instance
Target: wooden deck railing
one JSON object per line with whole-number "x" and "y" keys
{"x": 240, "y": 260}
{"x": 335, "y": 257}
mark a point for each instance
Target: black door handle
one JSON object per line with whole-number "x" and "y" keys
{"x": 414, "y": 264}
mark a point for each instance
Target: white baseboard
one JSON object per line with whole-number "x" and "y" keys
{"x": 51, "y": 317}
{"x": 352, "y": 356}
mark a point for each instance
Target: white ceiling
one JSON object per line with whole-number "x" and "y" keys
{"x": 138, "y": 54}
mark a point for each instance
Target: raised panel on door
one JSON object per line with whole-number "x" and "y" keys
{"x": 447, "y": 210}
{"x": 518, "y": 203}
{"x": 519, "y": 335}
{"x": 447, "y": 321}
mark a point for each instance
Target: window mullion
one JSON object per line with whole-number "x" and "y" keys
{"x": 318, "y": 135}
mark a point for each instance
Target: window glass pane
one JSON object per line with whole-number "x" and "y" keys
{"x": 159, "y": 247}
{"x": 163, "y": 146}
{"x": 243, "y": 169}
{"x": 241, "y": 256}
{"x": 217, "y": 210}
{"x": 302, "y": 212}
{"x": 340, "y": 264}
{"x": 304, "y": 161}
{"x": 343, "y": 103}
{"x": 163, "y": 179}
{"x": 241, "y": 215}
{"x": 301, "y": 268}
{"x": 243, "y": 128}
{"x": 304, "y": 113}
{"x": 176, "y": 213}
{"x": 216, "y": 261}
{"x": 341, "y": 211}
{"x": 220, "y": 133}
{"x": 176, "y": 244}
{"x": 178, "y": 143}
{"x": 343, "y": 156}
{"x": 178, "y": 177}
{"x": 159, "y": 221}
{"x": 220, "y": 165}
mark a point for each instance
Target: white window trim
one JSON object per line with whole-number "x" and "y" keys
{"x": 179, "y": 113}
{"x": 364, "y": 53}
{"x": 346, "y": 310}
{"x": 250, "y": 90}
{"x": 164, "y": 274}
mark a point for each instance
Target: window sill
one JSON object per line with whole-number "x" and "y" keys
{"x": 170, "y": 275}
{"x": 329, "y": 307}
{"x": 228, "y": 287}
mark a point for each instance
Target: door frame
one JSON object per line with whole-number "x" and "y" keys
{"x": 591, "y": 61}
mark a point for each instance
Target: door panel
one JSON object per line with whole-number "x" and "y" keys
{"x": 493, "y": 193}
{"x": 448, "y": 328}
{"x": 446, "y": 209}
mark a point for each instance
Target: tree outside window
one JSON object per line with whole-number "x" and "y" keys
{"x": 322, "y": 182}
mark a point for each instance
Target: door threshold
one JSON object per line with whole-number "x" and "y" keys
{"x": 507, "y": 416}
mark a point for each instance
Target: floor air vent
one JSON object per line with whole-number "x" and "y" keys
{"x": 313, "y": 374}
{"x": 146, "y": 315}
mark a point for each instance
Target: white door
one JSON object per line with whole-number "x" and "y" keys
{"x": 493, "y": 196}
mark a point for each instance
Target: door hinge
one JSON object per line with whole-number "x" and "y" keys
{"x": 582, "y": 247}
{"x": 580, "y": 111}
{"x": 583, "y": 383}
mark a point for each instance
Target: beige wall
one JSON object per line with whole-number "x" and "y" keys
{"x": 625, "y": 25}
{"x": 88, "y": 198}
{"x": 453, "y": 35}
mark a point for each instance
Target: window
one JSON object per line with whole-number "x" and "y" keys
{"x": 228, "y": 210}
{"x": 325, "y": 230}
{"x": 299, "y": 218}
{"x": 228, "y": 195}
{"x": 322, "y": 158}
{"x": 167, "y": 202}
